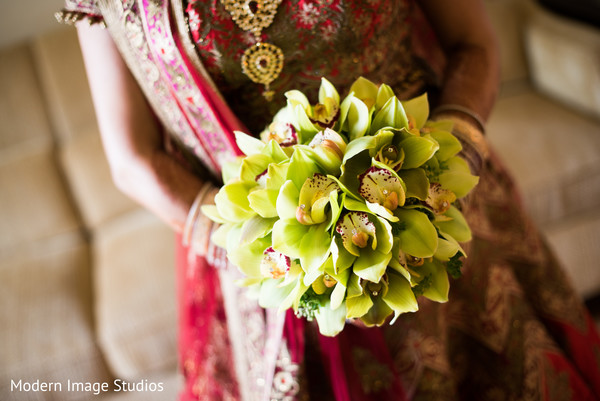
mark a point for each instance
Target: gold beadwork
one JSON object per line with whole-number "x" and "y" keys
{"x": 262, "y": 62}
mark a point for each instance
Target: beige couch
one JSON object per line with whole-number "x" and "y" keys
{"x": 87, "y": 289}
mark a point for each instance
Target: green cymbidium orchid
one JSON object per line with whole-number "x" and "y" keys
{"x": 281, "y": 132}
{"x": 382, "y": 188}
{"x": 439, "y": 199}
{"x": 315, "y": 195}
{"x": 363, "y": 241}
{"x": 309, "y": 120}
{"x": 374, "y": 302}
{"x": 328, "y": 150}
{"x": 306, "y": 214}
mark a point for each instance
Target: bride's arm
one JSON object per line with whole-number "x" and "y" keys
{"x": 472, "y": 77}
{"x": 132, "y": 141}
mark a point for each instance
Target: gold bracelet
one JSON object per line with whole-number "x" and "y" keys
{"x": 193, "y": 213}
{"x": 475, "y": 148}
{"x": 460, "y": 109}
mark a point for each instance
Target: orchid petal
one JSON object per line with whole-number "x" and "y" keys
{"x": 417, "y": 184}
{"x": 458, "y": 177}
{"x": 248, "y": 144}
{"x": 287, "y": 201}
{"x": 212, "y": 213}
{"x": 254, "y": 228}
{"x": 457, "y": 227}
{"x": 418, "y": 109}
{"x": 287, "y": 237}
{"x": 440, "y": 284}
{"x": 358, "y": 118}
{"x": 449, "y": 144}
{"x": 391, "y": 115}
{"x": 419, "y": 237}
{"x": 384, "y": 93}
{"x": 232, "y": 201}
{"x": 327, "y": 90}
{"x": 371, "y": 265}
{"x": 365, "y": 90}
{"x": 399, "y": 296}
{"x": 417, "y": 151}
{"x": 331, "y": 321}
{"x": 263, "y": 202}
{"x": 301, "y": 167}
{"x": 358, "y": 306}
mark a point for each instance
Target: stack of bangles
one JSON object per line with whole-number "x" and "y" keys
{"x": 469, "y": 129}
{"x": 198, "y": 228}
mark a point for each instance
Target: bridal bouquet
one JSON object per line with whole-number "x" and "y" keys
{"x": 346, "y": 209}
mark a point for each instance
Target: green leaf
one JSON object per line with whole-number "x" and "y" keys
{"x": 417, "y": 184}
{"x": 417, "y": 150}
{"x": 417, "y": 108}
{"x": 457, "y": 227}
{"x": 420, "y": 237}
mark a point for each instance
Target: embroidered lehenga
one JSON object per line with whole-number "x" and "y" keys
{"x": 513, "y": 328}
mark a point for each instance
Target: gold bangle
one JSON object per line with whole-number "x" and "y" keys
{"x": 474, "y": 145}
{"x": 461, "y": 109}
{"x": 193, "y": 213}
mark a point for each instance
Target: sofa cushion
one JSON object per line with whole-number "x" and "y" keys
{"x": 564, "y": 56}
{"x": 507, "y": 18}
{"x": 46, "y": 322}
{"x": 135, "y": 294}
{"x": 22, "y": 110}
{"x": 33, "y": 199}
{"x": 553, "y": 153}
{"x": 576, "y": 241}
{"x": 90, "y": 180}
{"x": 63, "y": 78}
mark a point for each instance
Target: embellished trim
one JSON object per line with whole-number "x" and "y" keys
{"x": 68, "y": 17}
{"x": 125, "y": 24}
